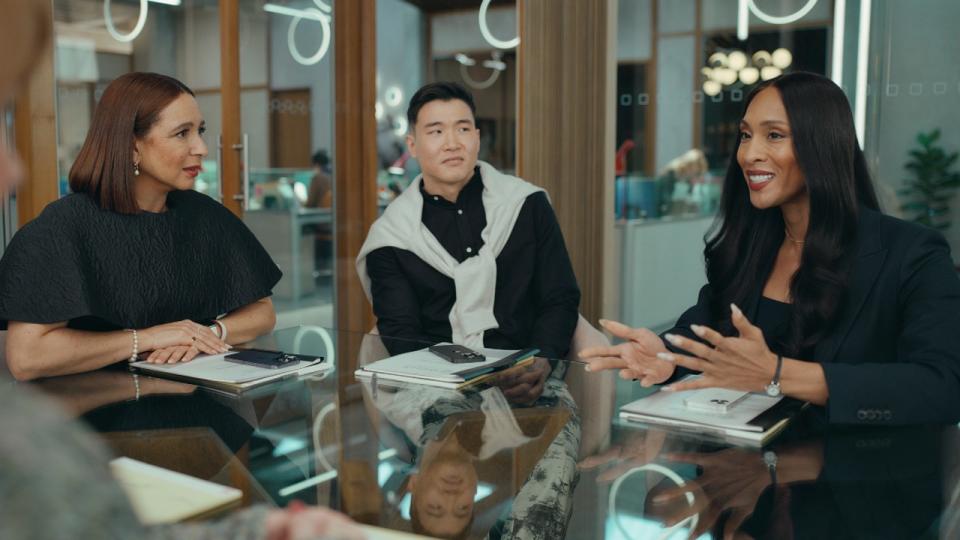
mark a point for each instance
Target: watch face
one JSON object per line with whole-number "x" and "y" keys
{"x": 773, "y": 389}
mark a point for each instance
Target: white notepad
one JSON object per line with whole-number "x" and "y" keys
{"x": 161, "y": 496}
{"x": 425, "y": 367}
{"x": 214, "y": 370}
{"x": 746, "y": 421}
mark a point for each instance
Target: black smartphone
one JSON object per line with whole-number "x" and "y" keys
{"x": 457, "y": 354}
{"x": 262, "y": 358}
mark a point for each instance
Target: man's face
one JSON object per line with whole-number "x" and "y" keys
{"x": 445, "y": 141}
{"x": 443, "y": 491}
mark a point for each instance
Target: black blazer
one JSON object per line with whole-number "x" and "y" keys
{"x": 893, "y": 355}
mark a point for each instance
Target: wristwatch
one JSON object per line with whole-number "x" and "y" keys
{"x": 770, "y": 460}
{"x": 773, "y": 389}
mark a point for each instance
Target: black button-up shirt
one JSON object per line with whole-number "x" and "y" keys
{"x": 536, "y": 298}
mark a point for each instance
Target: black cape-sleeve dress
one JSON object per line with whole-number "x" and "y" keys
{"x": 101, "y": 270}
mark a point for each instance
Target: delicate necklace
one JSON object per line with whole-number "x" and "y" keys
{"x": 791, "y": 238}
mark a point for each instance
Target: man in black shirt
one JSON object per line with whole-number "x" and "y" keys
{"x": 468, "y": 254}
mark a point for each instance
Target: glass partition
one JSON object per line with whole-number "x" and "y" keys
{"x": 421, "y": 41}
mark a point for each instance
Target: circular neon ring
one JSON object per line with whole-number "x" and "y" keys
{"x": 141, "y": 21}
{"x": 615, "y": 488}
{"x": 324, "y": 20}
{"x": 786, "y": 19}
{"x": 485, "y": 30}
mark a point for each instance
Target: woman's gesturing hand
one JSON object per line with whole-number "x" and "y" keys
{"x": 636, "y": 358}
{"x": 179, "y": 341}
{"x": 738, "y": 363}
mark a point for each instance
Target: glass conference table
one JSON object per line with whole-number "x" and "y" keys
{"x": 486, "y": 463}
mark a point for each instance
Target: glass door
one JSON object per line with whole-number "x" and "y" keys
{"x": 269, "y": 126}
{"x": 286, "y": 98}
{"x": 96, "y": 41}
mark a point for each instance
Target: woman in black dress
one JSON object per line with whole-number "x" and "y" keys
{"x": 133, "y": 260}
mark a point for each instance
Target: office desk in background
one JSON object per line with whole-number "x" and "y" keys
{"x": 290, "y": 243}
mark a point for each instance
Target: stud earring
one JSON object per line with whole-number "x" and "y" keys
{"x": 136, "y": 169}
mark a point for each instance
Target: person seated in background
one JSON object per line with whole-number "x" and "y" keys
{"x": 852, "y": 310}
{"x": 55, "y": 481}
{"x": 320, "y": 194}
{"x": 133, "y": 260}
{"x": 468, "y": 254}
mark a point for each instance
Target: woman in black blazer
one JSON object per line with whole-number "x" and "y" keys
{"x": 851, "y": 310}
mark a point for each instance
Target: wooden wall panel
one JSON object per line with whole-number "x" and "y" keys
{"x": 231, "y": 134}
{"x": 566, "y": 127}
{"x": 355, "y": 162}
{"x": 35, "y": 125}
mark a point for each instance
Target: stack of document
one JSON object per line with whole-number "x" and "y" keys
{"x": 425, "y": 367}
{"x": 215, "y": 372}
{"x": 755, "y": 419}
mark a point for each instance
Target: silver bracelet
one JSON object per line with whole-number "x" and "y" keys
{"x": 136, "y": 346}
{"x": 223, "y": 329}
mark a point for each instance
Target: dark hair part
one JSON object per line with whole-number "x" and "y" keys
{"x": 742, "y": 245}
{"x": 129, "y": 107}
{"x": 443, "y": 91}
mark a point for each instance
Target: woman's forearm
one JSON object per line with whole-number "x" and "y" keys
{"x": 804, "y": 381}
{"x": 250, "y": 322}
{"x": 42, "y": 350}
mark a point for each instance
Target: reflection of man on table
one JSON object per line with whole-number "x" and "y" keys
{"x": 459, "y": 440}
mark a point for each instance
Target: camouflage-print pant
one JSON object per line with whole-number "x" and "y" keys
{"x": 542, "y": 508}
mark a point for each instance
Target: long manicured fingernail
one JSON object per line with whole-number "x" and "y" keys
{"x": 603, "y": 322}
{"x": 587, "y": 368}
{"x": 667, "y": 389}
{"x": 735, "y": 310}
{"x": 676, "y": 340}
{"x": 698, "y": 330}
{"x": 667, "y": 356}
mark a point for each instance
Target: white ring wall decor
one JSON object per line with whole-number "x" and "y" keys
{"x": 615, "y": 488}
{"x": 485, "y": 30}
{"x": 141, "y": 21}
{"x": 478, "y": 85}
{"x": 313, "y": 14}
{"x": 743, "y": 20}
{"x": 786, "y": 19}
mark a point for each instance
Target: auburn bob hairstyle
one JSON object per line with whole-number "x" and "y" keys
{"x": 129, "y": 107}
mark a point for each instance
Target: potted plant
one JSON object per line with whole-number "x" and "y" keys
{"x": 928, "y": 192}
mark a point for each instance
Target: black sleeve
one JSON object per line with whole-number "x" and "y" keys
{"x": 698, "y": 314}
{"x": 923, "y": 385}
{"x": 395, "y": 303}
{"x": 556, "y": 284}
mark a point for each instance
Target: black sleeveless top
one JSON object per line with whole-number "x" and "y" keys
{"x": 774, "y": 318}
{"x": 101, "y": 270}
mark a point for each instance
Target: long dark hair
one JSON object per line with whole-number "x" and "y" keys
{"x": 742, "y": 245}
{"x": 129, "y": 107}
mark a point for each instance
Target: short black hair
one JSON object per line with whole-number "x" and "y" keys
{"x": 320, "y": 158}
{"x": 444, "y": 91}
